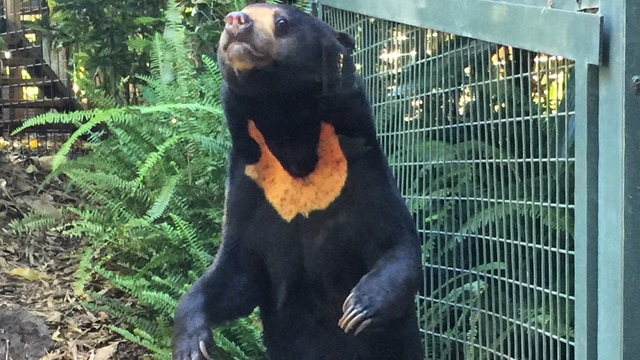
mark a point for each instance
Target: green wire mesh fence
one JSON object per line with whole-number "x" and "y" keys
{"x": 481, "y": 139}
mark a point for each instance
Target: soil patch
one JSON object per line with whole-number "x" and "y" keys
{"x": 40, "y": 316}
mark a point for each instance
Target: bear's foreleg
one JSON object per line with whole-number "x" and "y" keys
{"x": 228, "y": 290}
{"x": 385, "y": 293}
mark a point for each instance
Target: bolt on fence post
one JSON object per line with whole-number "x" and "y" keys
{"x": 635, "y": 79}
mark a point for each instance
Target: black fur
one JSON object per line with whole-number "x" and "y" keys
{"x": 300, "y": 273}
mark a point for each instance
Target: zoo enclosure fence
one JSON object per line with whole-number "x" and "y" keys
{"x": 509, "y": 126}
{"x": 34, "y": 77}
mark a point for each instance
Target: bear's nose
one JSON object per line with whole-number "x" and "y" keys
{"x": 237, "y": 22}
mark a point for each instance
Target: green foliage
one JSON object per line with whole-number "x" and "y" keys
{"x": 111, "y": 41}
{"x": 36, "y": 222}
{"x": 153, "y": 190}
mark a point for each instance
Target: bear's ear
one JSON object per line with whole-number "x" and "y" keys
{"x": 347, "y": 41}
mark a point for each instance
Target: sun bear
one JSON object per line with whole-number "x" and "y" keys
{"x": 316, "y": 233}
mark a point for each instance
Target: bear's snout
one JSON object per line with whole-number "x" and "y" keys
{"x": 237, "y": 23}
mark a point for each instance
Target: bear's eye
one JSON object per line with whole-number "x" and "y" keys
{"x": 281, "y": 23}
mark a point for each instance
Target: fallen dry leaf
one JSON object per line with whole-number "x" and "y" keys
{"x": 11, "y": 248}
{"x": 73, "y": 348}
{"x": 44, "y": 204}
{"x": 103, "y": 316}
{"x": 107, "y": 352}
{"x": 31, "y": 169}
{"x": 25, "y": 273}
{"x": 54, "y": 318}
{"x": 30, "y": 274}
{"x": 57, "y": 336}
{"x": 53, "y": 356}
{"x": 73, "y": 327}
{"x": 45, "y": 162}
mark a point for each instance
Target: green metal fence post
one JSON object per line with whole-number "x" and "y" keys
{"x": 586, "y": 223}
{"x": 619, "y": 185}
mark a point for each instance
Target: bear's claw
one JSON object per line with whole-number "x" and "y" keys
{"x": 203, "y": 350}
{"x": 195, "y": 353}
{"x": 354, "y": 316}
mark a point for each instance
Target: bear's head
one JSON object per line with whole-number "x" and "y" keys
{"x": 276, "y": 50}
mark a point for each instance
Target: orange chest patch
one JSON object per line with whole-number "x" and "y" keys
{"x": 290, "y": 195}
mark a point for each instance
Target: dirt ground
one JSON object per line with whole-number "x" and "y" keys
{"x": 40, "y": 317}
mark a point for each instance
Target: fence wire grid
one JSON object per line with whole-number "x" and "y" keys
{"x": 480, "y": 137}
{"x": 34, "y": 78}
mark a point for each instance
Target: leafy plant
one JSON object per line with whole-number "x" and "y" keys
{"x": 153, "y": 190}
{"x": 111, "y": 41}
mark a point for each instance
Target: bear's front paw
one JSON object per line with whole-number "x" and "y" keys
{"x": 357, "y": 314}
{"x": 192, "y": 345}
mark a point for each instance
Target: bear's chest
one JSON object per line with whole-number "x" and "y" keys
{"x": 309, "y": 259}
{"x": 313, "y": 260}
{"x": 290, "y": 195}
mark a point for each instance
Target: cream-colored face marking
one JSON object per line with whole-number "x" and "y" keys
{"x": 263, "y": 18}
{"x": 258, "y": 47}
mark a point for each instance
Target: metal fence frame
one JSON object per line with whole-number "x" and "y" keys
{"x": 606, "y": 50}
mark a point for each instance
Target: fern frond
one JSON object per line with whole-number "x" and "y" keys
{"x": 84, "y": 272}
{"x": 74, "y": 118}
{"x": 32, "y": 222}
{"x": 160, "y": 301}
{"x": 171, "y": 108}
{"x": 154, "y": 158}
{"x": 147, "y": 342}
{"x": 99, "y": 117}
{"x": 162, "y": 201}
